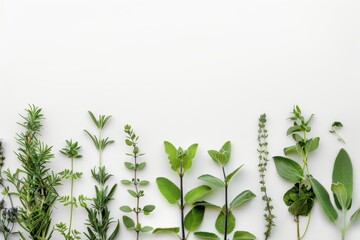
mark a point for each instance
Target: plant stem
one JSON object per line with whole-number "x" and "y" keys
{"x": 297, "y": 227}
{"x": 226, "y": 204}
{"x": 182, "y": 207}
{"x": 343, "y": 228}
{"x": 71, "y": 195}
{"x": 137, "y": 196}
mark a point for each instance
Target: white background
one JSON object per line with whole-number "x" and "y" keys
{"x": 185, "y": 71}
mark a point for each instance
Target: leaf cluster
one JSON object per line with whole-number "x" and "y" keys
{"x": 225, "y": 222}
{"x": 64, "y": 231}
{"x": 181, "y": 161}
{"x": 99, "y": 219}
{"x": 34, "y": 182}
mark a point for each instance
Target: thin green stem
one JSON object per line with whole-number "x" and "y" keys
{"x": 71, "y": 195}
{"x": 137, "y": 196}
{"x": 343, "y": 224}
{"x": 226, "y": 204}
{"x": 307, "y": 226}
{"x": 297, "y": 227}
{"x": 182, "y": 206}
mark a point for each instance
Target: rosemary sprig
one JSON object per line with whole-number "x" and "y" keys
{"x": 34, "y": 182}
{"x": 8, "y": 216}
{"x": 136, "y": 191}
{"x": 263, "y": 161}
{"x": 99, "y": 220}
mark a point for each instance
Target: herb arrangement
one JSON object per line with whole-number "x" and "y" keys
{"x": 225, "y": 222}
{"x": 8, "y": 215}
{"x": 71, "y": 151}
{"x": 300, "y": 198}
{"x": 99, "y": 219}
{"x": 137, "y": 183}
{"x": 181, "y": 162}
{"x": 263, "y": 161}
{"x": 34, "y": 182}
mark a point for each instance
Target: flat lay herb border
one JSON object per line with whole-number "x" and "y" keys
{"x": 35, "y": 186}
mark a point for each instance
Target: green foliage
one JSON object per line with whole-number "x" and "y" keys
{"x": 300, "y": 198}
{"x": 136, "y": 192}
{"x": 99, "y": 220}
{"x": 225, "y": 221}
{"x": 334, "y": 127}
{"x": 34, "y": 183}
{"x": 263, "y": 161}
{"x": 181, "y": 161}
{"x": 342, "y": 188}
{"x": 8, "y": 215}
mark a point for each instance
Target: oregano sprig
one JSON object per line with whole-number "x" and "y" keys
{"x": 335, "y": 126}
{"x": 137, "y": 192}
{"x": 225, "y": 222}
{"x": 263, "y": 161}
{"x": 34, "y": 182}
{"x": 71, "y": 151}
{"x": 8, "y": 215}
{"x": 300, "y": 198}
{"x": 181, "y": 162}
{"x": 99, "y": 219}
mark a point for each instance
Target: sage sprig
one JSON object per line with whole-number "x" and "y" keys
{"x": 342, "y": 189}
{"x": 263, "y": 161}
{"x": 99, "y": 219}
{"x": 34, "y": 183}
{"x": 71, "y": 151}
{"x": 8, "y": 215}
{"x": 137, "y": 184}
{"x": 300, "y": 198}
{"x": 225, "y": 222}
{"x": 181, "y": 162}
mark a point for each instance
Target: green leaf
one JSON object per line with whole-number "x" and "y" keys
{"x": 229, "y": 177}
{"x": 226, "y": 151}
{"x": 132, "y": 193}
{"x": 324, "y": 199}
{"x": 343, "y": 173}
{"x": 206, "y": 204}
{"x": 171, "y": 151}
{"x": 146, "y": 229}
{"x": 128, "y": 142}
{"x": 212, "y": 180}
{"x": 190, "y": 155}
{"x": 196, "y": 194}
{"x": 312, "y": 144}
{"x": 168, "y": 189}
{"x": 126, "y": 209}
{"x": 340, "y": 193}
{"x": 355, "y": 216}
{"x": 129, "y": 165}
{"x": 141, "y": 165}
{"x": 217, "y": 157}
{"x": 296, "y": 128}
{"x": 242, "y": 235}
{"x": 148, "y": 208}
{"x": 288, "y": 169}
{"x": 207, "y": 235}
{"x": 290, "y": 150}
{"x": 172, "y": 230}
{"x": 144, "y": 182}
{"x": 220, "y": 222}
{"x": 128, "y": 222}
{"x": 126, "y": 182}
{"x": 242, "y": 198}
{"x": 194, "y": 218}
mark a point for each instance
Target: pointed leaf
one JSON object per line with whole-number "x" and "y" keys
{"x": 212, "y": 180}
{"x": 190, "y": 155}
{"x": 242, "y": 198}
{"x": 207, "y": 235}
{"x": 288, "y": 169}
{"x": 343, "y": 173}
{"x": 355, "y": 216}
{"x": 206, "y": 204}
{"x": 340, "y": 193}
{"x": 229, "y": 177}
{"x": 172, "y": 230}
{"x": 128, "y": 222}
{"x": 168, "y": 189}
{"x": 226, "y": 151}
{"x": 196, "y": 194}
{"x": 194, "y": 218}
{"x": 324, "y": 199}
{"x": 171, "y": 151}
{"x": 126, "y": 209}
